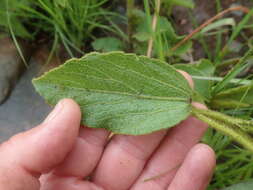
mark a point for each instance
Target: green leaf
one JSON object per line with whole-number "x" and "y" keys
{"x": 142, "y": 36}
{"x": 184, "y": 3}
{"x": 166, "y": 31}
{"x": 107, "y": 44}
{"x": 218, "y": 24}
{"x": 180, "y": 50}
{"x": 15, "y": 22}
{"x": 123, "y": 93}
{"x": 237, "y": 97}
{"x": 62, "y": 3}
{"x": 243, "y": 63}
{"x": 241, "y": 186}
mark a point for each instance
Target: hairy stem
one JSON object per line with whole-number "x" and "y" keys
{"x": 234, "y": 127}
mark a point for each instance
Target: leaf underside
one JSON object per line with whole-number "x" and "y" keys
{"x": 124, "y": 93}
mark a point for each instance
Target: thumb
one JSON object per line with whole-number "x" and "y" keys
{"x": 27, "y": 155}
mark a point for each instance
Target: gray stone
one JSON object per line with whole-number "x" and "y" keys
{"x": 11, "y": 66}
{"x": 4, "y": 88}
{"x": 25, "y": 108}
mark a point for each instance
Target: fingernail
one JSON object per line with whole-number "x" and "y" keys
{"x": 57, "y": 109}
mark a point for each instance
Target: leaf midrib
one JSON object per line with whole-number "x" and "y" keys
{"x": 135, "y": 114}
{"x": 120, "y": 93}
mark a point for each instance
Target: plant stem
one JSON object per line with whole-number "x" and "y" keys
{"x": 218, "y": 79}
{"x": 154, "y": 24}
{"x": 234, "y": 127}
{"x": 130, "y": 7}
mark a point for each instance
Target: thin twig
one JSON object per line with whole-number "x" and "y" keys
{"x": 154, "y": 24}
{"x": 209, "y": 21}
{"x": 161, "y": 174}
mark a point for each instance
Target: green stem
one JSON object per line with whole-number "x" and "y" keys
{"x": 130, "y": 7}
{"x": 234, "y": 127}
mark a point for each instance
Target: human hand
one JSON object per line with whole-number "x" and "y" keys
{"x": 59, "y": 155}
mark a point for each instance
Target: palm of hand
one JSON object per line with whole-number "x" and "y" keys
{"x": 162, "y": 160}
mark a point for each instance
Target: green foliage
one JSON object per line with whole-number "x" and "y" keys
{"x": 237, "y": 97}
{"x": 165, "y": 36}
{"x": 185, "y": 3}
{"x": 107, "y": 44}
{"x": 218, "y": 24}
{"x": 70, "y": 21}
{"x": 241, "y": 186}
{"x": 240, "y": 66}
{"x": 235, "y": 33}
{"x": 12, "y": 18}
{"x": 121, "y": 92}
{"x": 233, "y": 163}
{"x": 204, "y": 68}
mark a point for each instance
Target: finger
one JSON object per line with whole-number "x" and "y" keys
{"x": 124, "y": 159}
{"x": 85, "y": 154}
{"x": 196, "y": 171}
{"x": 171, "y": 153}
{"x": 187, "y": 77}
{"x": 25, "y": 156}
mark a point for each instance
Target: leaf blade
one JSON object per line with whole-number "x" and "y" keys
{"x": 124, "y": 93}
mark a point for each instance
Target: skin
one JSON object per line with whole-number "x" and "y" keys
{"x": 59, "y": 154}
